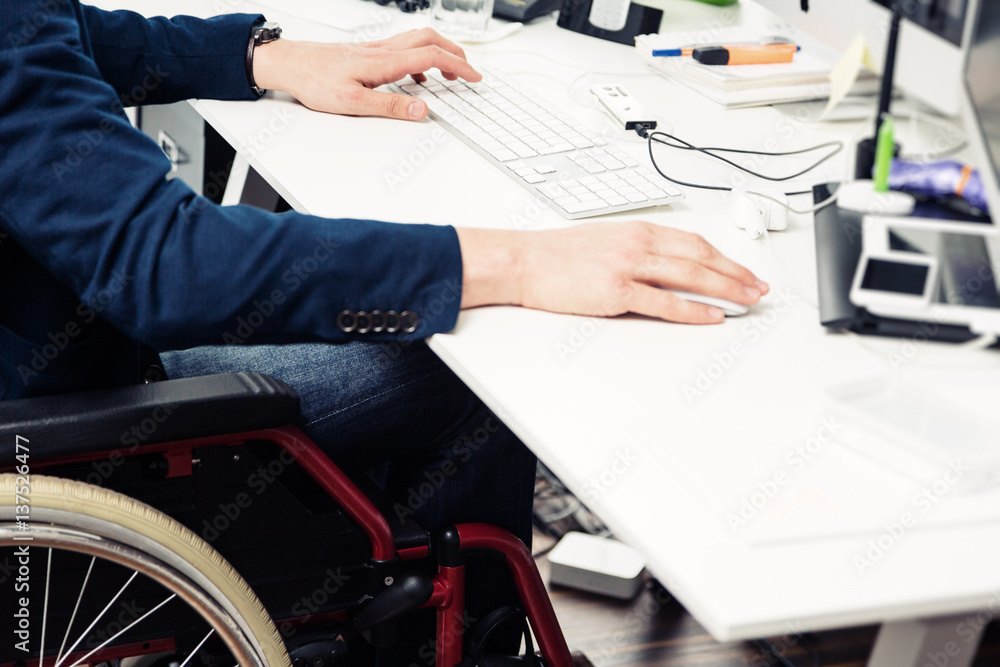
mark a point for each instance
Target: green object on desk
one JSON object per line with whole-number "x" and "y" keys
{"x": 884, "y": 149}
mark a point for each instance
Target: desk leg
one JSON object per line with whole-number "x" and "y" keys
{"x": 949, "y": 641}
{"x": 237, "y": 181}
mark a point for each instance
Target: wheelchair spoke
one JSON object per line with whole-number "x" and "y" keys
{"x": 98, "y": 617}
{"x": 45, "y": 607}
{"x": 197, "y": 648}
{"x": 125, "y": 629}
{"x": 76, "y": 608}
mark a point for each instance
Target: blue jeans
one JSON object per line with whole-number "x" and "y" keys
{"x": 440, "y": 454}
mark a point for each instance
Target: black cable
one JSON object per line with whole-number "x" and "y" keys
{"x": 684, "y": 145}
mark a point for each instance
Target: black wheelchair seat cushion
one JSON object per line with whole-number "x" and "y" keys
{"x": 160, "y": 412}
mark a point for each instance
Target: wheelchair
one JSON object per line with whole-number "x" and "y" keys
{"x": 187, "y": 522}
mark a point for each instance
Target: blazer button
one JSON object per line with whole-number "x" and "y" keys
{"x": 364, "y": 322}
{"x": 391, "y": 321}
{"x": 347, "y": 321}
{"x": 378, "y": 321}
{"x": 408, "y": 321}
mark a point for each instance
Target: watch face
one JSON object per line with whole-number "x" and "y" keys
{"x": 268, "y": 32}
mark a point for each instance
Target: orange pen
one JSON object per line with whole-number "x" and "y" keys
{"x": 745, "y": 55}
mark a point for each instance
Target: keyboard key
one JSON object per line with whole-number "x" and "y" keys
{"x": 552, "y": 150}
{"x": 552, "y": 190}
{"x": 584, "y": 173}
{"x": 521, "y": 150}
{"x": 504, "y": 155}
{"x": 636, "y": 197}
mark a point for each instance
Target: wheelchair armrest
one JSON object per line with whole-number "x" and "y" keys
{"x": 159, "y": 412}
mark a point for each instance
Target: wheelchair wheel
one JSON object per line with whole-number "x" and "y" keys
{"x": 98, "y": 577}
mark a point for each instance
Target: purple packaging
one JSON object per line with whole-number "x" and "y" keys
{"x": 939, "y": 179}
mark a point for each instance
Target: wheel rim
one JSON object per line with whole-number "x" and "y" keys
{"x": 80, "y": 540}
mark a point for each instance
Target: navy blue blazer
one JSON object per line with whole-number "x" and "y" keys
{"x": 102, "y": 258}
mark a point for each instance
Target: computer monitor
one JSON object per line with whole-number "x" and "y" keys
{"x": 981, "y": 93}
{"x": 932, "y": 40}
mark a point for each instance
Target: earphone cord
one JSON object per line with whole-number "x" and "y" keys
{"x": 684, "y": 145}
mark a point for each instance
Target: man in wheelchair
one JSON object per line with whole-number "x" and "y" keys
{"x": 113, "y": 276}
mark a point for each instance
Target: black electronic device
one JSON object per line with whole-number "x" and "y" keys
{"x": 594, "y": 18}
{"x": 523, "y": 10}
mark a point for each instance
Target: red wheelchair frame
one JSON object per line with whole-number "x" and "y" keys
{"x": 447, "y": 597}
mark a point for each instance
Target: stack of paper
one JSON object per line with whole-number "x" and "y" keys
{"x": 806, "y": 78}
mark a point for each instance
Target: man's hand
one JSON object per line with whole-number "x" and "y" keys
{"x": 339, "y": 78}
{"x": 602, "y": 269}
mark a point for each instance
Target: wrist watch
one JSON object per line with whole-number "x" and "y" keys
{"x": 259, "y": 34}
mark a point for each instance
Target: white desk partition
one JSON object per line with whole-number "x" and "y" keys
{"x": 715, "y": 451}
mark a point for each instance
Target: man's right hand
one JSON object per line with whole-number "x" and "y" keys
{"x": 602, "y": 269}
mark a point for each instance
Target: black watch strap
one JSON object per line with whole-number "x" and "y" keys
{"x": 260, "y": 33}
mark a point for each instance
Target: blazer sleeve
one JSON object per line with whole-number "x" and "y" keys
{"x": 161, "y": 60}
{"x": 85, "y": 194}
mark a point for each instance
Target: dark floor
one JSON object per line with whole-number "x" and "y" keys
{"x": 655, "y": 630}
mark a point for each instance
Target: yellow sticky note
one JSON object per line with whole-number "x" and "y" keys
{"x": 843, "y": 76}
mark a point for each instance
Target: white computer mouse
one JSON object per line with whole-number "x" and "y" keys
{"x": 730, "y": 308}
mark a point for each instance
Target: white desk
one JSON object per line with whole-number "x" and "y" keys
{"x": 603, "y": 402}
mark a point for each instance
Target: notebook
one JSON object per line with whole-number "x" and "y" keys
{"x": 806, "y": 78}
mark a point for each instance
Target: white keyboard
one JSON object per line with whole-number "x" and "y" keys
{"x": 569, "y": 167}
